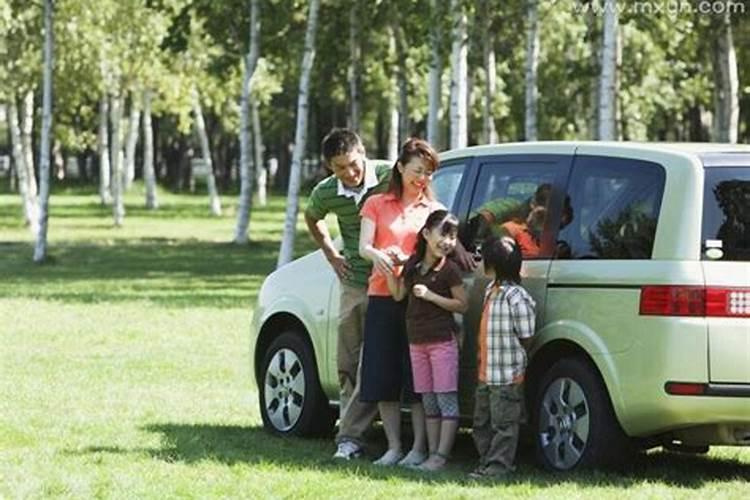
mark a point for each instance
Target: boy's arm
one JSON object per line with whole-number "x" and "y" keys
{"x": 319, "y": 232}
{"x": 524, "y": 321}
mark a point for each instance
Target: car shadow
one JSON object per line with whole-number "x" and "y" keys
{"x": 233, "y": 444}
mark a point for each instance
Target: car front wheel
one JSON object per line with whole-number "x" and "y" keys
{"x": 574, "y": 423}
{"x": 291, "y": 400}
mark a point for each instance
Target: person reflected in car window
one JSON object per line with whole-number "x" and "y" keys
{"x": 388, "y": 235}
{"x": 354, "y": 178}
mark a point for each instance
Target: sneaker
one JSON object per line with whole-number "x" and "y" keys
{"x": 412, "y": 459}
{"x": 390, "y": 457}
{"x": 348, "y": 450}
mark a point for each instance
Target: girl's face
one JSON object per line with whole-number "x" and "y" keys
{"x": 439, "y": 242}
{"x": 416, "y": 175}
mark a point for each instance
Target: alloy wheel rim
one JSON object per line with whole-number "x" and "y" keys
{"x": 564, "y": 423}
{"x": 284, "y": 389}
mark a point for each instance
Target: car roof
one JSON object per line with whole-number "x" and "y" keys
{"x": 699, "y": 149}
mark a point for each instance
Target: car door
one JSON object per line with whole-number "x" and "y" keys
{"x": 503, "y": 190}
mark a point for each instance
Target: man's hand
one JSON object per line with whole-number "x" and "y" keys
{"x": 340, "y": 266}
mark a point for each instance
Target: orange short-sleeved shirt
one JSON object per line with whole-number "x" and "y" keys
{"x": 395, "y": 225}
{"x": 530, "y": 248}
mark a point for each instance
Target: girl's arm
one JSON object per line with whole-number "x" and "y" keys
{"x": 456, "y": 304}
{"x": 396, "y": 287}
{"x": 379, "y": 259}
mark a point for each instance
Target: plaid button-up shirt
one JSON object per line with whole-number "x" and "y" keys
{"x": 510, "y": 317}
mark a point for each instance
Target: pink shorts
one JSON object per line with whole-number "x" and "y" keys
{"x": 435, "y": 366}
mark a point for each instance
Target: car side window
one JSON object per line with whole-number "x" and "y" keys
{"x": 445, "y": 183}
{"x": 611, "y": 209}
{"x": 513, "y": 200}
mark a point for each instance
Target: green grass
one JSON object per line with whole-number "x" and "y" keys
{"x": 124, "y": 373}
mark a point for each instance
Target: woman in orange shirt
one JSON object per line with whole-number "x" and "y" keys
{"x": 390, "y": 224}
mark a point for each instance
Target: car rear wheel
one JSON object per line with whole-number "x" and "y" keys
{"x": 575, "y": 426}
{"x": 291, "y": 400}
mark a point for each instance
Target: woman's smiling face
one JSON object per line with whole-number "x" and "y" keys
{"x": 416, "y": 175}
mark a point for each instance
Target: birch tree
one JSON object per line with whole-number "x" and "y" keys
{"x": 116, "y": 159}
{"x": 247, "y": 173}
{"x": 532, "y": 64}
{"x": 27, "y": 130}
{"x": 40, "y": 246}
{"x": 490, "y": 70}
{"x": 105, "y": 192}
{"x": 726, "y": 82}
{"x": 393, "y": 114}
{"x": 149, "y": 174}
{"x": 131, "y": 139}
{"x": 300, "y": 138}
{"x": 459, "y": 75}
{"x": 260, "y": 169}
{"x": 402, "y": 82}
{"x": 355, "y": 70}
{"x": 30, "y": 207}
{"x": 436, "y": 73}
{"x": 200, "y": 130}
{"x": 608, "y": 76}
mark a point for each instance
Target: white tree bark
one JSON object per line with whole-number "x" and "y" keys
{"x": 116, "y": 160}
{"x": 131, "y": 140}
{"x": 608, "y": 77}
{"x": 30, "y": 207}
{"x": 40, "y": 246}
{"x": 27, "y": 129}
{"x": 404, "y": 125}
{"x": 532, "y": 64}
{"x": 258, "y": 149}
{"x": 490, "y": 71}
{"x": 290, "y": 223}
{"x": 105, "y": 193}
{"x": 393, "y": 115}
{"x": 726, "y": 82}
{"x": 592, "y": 35}
{"x": 435, "y": 76}
{"x": 200, "y": 128}
{"x": 149, "y": 174}
{"x": 248, "y": 165}
{"x": 355, "y": 71}
{"x": 459, "y": 65}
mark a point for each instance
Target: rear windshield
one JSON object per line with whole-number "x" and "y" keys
{"x": 726, "y": 212}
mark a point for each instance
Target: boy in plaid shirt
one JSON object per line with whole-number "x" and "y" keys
{"x": 506, "y": 328}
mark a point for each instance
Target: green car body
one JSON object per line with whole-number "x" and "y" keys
{"x": 627, "y": 373}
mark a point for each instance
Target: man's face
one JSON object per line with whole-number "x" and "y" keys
{"x": 349, "y": 168}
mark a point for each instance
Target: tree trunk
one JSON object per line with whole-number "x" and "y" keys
{"x": 131, "y": 139}
{"x": 290, "y": 223}
{"x": 30, "y": 212}
{"x": 532, "y": 64}
{"x": 355, "y": 71}
{"x": 436, "y": 71}
{"x": 105, "y": 193}
{"x": 149, "y": 174}
{"x": 200, "y": 127}
{"x": 393, "y": 116}
{"x": 40, "y": 247}
{"x": 116, "y": 157}
{"x": 258, "y": 149}
{"x": 403, "y": 84}
{"x": 593, "y": 37}
{"x": 247, "y": 163}
{"x": 608, "y": 78}
{"x": 459, "y": 65}
{"x": 27, "y": 131}
{"x": 726, "y": 83}
{"x": 490, "y": 70}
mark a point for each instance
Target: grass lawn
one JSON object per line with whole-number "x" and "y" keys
{"x": 124, "y": 373}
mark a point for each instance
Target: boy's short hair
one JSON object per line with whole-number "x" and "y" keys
{"x": 340, "y": 141}
{"x": 502, "y": 254}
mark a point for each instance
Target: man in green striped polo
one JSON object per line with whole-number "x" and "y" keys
{"x": 354, "y": 178}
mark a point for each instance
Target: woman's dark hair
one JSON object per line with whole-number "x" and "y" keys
{"x": 446, "y": 221}
{"x": 413, "y": 148}
{"x": 339, "y": 141}
{"x": 503, "y": 255}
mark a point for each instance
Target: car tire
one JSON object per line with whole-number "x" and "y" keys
{"x": 291, "y": 399}
{"x": 573, "y": 421}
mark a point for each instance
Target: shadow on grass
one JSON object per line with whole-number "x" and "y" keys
{"x": 230, "y": 444}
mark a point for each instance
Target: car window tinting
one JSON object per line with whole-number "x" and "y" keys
{"x": 612, "y": 209}
{"x": 726, "y": 211}
{"x": 445, "y": 183}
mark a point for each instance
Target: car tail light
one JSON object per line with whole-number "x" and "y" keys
{"x": 661, "y": 300}
{"x": 684, "y": 388}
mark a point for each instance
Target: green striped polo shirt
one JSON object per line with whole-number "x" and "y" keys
{"x": 325, "y": 199}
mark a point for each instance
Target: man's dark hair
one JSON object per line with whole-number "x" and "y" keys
{"x": 340, "y": 141}
{"x": 503, "y": 256}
